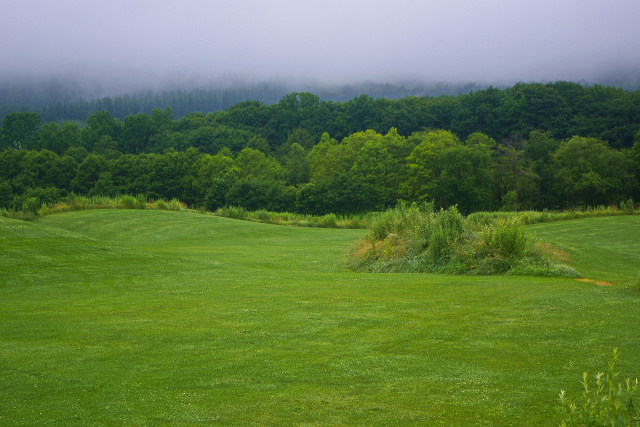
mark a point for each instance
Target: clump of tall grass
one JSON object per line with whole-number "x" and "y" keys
{"x": 417, "y": 238}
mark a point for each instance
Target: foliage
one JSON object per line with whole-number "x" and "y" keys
{"x": 339, "y": 194}
{"x": 419, "y": 239}
{"x": 606, "y": 402}
{"x": 588, "y": 171}
{"x": 31, "y": 205}
{"x": 529, "y": 147}
{"x": 19, "y": 130}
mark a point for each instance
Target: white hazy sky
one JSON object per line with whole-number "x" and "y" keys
{"x": 334, "y": 40}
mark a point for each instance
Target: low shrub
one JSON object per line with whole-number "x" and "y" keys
{"x": 161, "y": 204}
{"x": 17, "y": 214}
{"x": 175, "y": 205}
{"x": 141, "y": 201}
{"x": 127, "y": 202}
{"x": 627, "y": 206}
{"x": 31, "y": 205}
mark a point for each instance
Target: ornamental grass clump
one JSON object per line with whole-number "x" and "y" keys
{"x": 413, "y": 238}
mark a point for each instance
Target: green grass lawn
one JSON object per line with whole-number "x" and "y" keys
{"x": 605, "y": 249}
{"x": 156, "y": 317}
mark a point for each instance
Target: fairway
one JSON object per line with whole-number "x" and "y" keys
{"x": 157, "y": 317}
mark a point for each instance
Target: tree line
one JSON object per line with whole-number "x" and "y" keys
{"x": 61, "y": 100}
{"x": 311, "y": 156}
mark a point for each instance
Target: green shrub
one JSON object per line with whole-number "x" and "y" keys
{"x": 384, "y": 224}
{"x": 263, "y": 215}
{"x": 510, "y": 201}
{"x": 127, "y": 202}
{"x": 175, "y": 205}
{"x": 450, "y": 221}
{"x": 401, "y": 219}
{"x": 605, "y": 402}
{"x": 141, "y": 201}
{"x": 627, "y": 206}
{"x": 31, "y": 205}
{"x": 481, "y": 219}
{"x": 162, "y": 205}
{"x": 329, "y": 221}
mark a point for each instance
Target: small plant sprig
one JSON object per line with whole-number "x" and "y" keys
{"x": 606, "y": 403}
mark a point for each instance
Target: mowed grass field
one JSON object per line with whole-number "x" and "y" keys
{"x": 156, "y": 317}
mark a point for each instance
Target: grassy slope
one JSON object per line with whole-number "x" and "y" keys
{"x": 156, "y": 317}
{"x": 606, "y": 248}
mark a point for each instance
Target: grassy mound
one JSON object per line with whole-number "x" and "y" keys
{"x": 418, "y": 239}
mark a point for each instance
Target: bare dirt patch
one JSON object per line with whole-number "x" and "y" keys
{"x": 595, "y": 281}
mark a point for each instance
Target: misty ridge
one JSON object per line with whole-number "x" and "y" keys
{"x": 74, "y": 97}
{"x": 221, "y": 53}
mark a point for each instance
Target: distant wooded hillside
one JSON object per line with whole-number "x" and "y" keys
{"x": 61, "y": 100}
{"x": 529, "y": 146}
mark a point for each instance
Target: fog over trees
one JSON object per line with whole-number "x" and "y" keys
{"x": 124, "y": 45}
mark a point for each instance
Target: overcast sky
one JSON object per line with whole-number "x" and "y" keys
{"x": 332, "y": 40}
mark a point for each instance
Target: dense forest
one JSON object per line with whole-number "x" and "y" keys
{"x": 532, "y": 146}
{"x": 57, "y": 99}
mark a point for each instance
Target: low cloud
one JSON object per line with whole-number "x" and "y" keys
{"x": 330, "y": 40}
